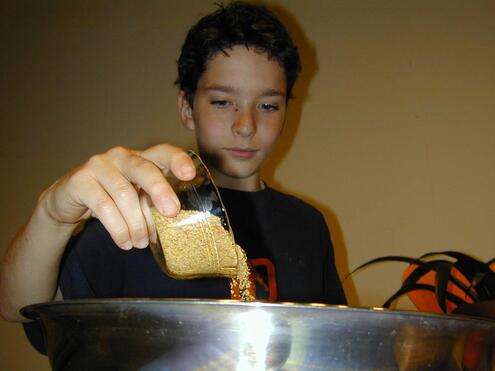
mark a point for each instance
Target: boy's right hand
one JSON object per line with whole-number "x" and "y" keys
{"x": 112, "y": 187}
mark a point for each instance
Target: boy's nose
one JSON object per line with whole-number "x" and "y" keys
{"x": 244, "y": 124}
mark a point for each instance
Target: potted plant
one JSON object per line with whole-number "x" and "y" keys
{"x": 447, "y": 282}
{"x": 438, "y": 285}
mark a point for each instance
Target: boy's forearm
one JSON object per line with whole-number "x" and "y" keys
{"x": 30, "y": 266}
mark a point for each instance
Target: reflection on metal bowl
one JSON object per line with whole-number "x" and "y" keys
{"x": 166, "y": 334}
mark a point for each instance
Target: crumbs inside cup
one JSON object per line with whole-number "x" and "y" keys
{"x": 195, "y": 244}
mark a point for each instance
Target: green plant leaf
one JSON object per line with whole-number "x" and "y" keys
{"x": 433, "y": 264}
{"x": 390, "y": 258}
{"x": 466, "y": 264}
{"x": 404, "y": 289}
{"x": 481, "y": 277}
{"x": 442, "y": 278}
{"x": 466, "y": 289}
{"x": 417, "y": 274}
{"x": 484, "y": 283}
{"x": 423, "y": 266}
{"x": 422, "y": 287}
{"x": 479, "y": 274}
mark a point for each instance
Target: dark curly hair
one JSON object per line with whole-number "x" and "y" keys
{"x": 237, "y": 23}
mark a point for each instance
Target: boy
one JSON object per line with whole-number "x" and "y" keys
{"x": 236, "y": 72}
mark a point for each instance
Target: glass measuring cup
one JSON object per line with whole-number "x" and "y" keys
{"x": 198, "y": 242}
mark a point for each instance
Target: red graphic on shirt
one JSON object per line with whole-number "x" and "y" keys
{"x": 264, "y": 279}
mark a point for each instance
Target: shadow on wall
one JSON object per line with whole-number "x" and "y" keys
{"x": 301, "y": 90}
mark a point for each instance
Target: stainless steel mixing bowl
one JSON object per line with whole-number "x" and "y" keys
{"x": 225, "y": 335}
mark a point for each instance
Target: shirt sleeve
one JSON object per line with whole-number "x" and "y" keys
{"x": 73, "y": 283}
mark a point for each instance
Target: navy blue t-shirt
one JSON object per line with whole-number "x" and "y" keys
{"x": 286, "y": 241}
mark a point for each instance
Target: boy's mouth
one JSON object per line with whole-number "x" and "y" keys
{"x": 241, "y": 153}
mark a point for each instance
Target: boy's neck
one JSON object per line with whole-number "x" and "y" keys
{"x": 250, "y": 184}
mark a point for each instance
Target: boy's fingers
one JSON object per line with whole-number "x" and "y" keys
{"x": 108, "y": 185}
{"x": 149, "y": 178}
{"x": 171, "y": 158}
{"x": 145, "y": 202}
{"x": 105, "y": 171}
{"x": 103, "y": 207}
{"x": 126, "y": 199}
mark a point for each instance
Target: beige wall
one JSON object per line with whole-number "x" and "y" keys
{"x": 395, "y": 140}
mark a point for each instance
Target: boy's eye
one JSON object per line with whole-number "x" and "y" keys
{"x": 220, "y": 103}
{"x": 268, "y": 107}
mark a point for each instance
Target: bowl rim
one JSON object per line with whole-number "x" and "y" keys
{"x": 32, "y": 311}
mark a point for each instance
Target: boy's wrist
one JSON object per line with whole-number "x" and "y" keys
{"x": 43, "y": 214}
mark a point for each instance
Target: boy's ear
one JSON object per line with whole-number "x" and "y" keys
{"x": 185, "y": 110}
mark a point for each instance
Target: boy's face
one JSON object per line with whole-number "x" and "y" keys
{"x": 238, "y": 115}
